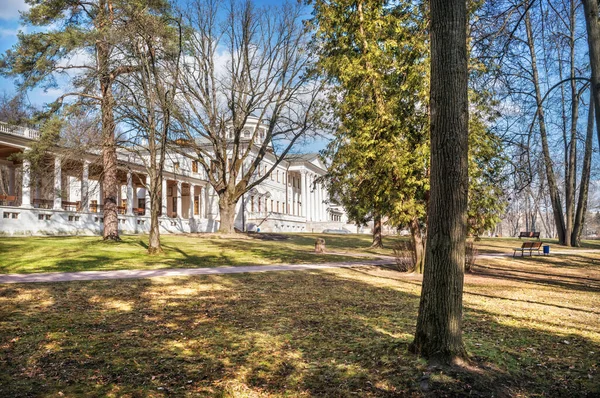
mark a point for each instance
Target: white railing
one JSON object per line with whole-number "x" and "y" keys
{"x": 20, "y": 131}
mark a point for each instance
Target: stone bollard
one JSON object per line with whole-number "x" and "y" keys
{"x": 320, "y": 245}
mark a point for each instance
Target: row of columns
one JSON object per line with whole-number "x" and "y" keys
{"x": 26, "y": 200}
{"x": 313, "y": 197}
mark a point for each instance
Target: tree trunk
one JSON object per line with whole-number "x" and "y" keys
{"x": 155, "y": 187}
{"x": 438, "y": 334}
{"x": 377, "y": 236}
{"x": 585, "y": 178}
{"x": 552, "y": 186}
{"x": 593, "y": 30}
{"x": 109, "y": 149}
{"x": 418, "y": 244}
{"x": 109, "y": 162}
{"x": 227, "y": 215}
{"x": 571, "y": 180}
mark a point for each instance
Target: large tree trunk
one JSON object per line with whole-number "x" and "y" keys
{"x": 109, "y": 149}
{"x": 377, "y": 234}
{"x": 226, "y": 215}
{"x": 585, "y": 178}
{"x": 438, "y": 334}
{"x": 552, "y": 185}
{"x": 418, "y": 244}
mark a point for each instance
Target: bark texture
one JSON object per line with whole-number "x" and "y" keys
{"x": 377, "y": 232}
{"x": 438, "y": 334}
{"x": 109, "y": 149}
{"x": 226, "y": 215}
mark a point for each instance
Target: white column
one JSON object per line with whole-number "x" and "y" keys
{"x": 311, "y": 198}
{"x": 57, "y": 184}
{"x": 318, "y": 197}
{"x": 321, "y": 205}
{"x": 147, "y": 197}
{"x": 303, "y": 194}
{"x": 26, "y": 184}
{"x": 130, "y": 193}
{"x": 192, "y": 199}
{"x": 179, "y": 201}
{"x": 164, "y": 197}
{"x": 11, "y": 181}
{"x": 85, "y": 187}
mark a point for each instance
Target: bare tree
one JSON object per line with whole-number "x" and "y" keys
{"x": 241, "y": 62}
{"x": 146, "y": 102}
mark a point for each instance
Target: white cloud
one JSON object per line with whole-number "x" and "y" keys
{"x": 8, "y": 32}
{"x": 10, "y": 9}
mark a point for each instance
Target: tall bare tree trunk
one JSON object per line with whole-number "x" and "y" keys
{"x": 418, "y": 244}
{"x": 377, "y": 233}
{"x": 571, "y": 180}
{"x": 109, "y": 149}
{"x": 438, "y": 334}
{"x": 552, "y": 185}
{"x": 585, "y": 177}
{"x": 593, "y": 30}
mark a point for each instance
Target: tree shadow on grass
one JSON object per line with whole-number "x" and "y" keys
{"x": 289, "y": 333}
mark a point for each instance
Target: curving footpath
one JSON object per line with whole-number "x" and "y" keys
{"x": 155, "y": 273}
{"x": 139, "y": 274}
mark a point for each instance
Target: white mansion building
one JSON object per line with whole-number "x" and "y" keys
{"x": 67, "y": 198}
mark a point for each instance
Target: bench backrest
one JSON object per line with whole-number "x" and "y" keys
{"x": 529, "y": 234}
{"x": 531, "y": 245}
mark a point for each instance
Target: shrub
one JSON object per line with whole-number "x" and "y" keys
{"x": 404, "y": 252}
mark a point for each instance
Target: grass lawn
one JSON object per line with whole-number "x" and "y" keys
{"x": 531, "y": 328}
{"x": 54, "y": 254}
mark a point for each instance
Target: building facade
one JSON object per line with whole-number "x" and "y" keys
{"x": 64, "y": 197}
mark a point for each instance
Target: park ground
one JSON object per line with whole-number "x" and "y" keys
{"x": 530, "y": 324}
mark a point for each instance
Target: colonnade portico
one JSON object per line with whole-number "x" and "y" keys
{"x": 313, "y": 197}
{"x": 128, "y": 197}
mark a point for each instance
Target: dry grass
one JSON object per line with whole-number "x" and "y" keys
{"x": 531, "y": 327}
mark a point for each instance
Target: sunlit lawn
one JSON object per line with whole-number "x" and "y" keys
{"x": 49, "y": 254}
{"x": 531, "y": 327}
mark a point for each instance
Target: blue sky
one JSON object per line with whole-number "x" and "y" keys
{"x": 10, "y": 26}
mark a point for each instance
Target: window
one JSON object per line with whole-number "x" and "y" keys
{"x": 246, "y": 133}
{"x": 252, "y": 204}
{"x": 176, "y": 165}
{"x": 123, "y": 202}
{"x": 141, "y": 203}
{"x": 271, "y": 205}
{"x": 277, "y": 175}
{"x": 194, "y": 166}
{"x": 259, "y": 203}
{"x": 277, "y": 206}
{"x": 196, "y": 205}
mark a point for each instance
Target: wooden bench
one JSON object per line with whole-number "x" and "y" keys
{"x": 529, "y": 234}
{"x": 528, "y": 246}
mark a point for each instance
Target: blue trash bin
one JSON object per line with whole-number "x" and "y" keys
{"x": 546, "y": 250}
